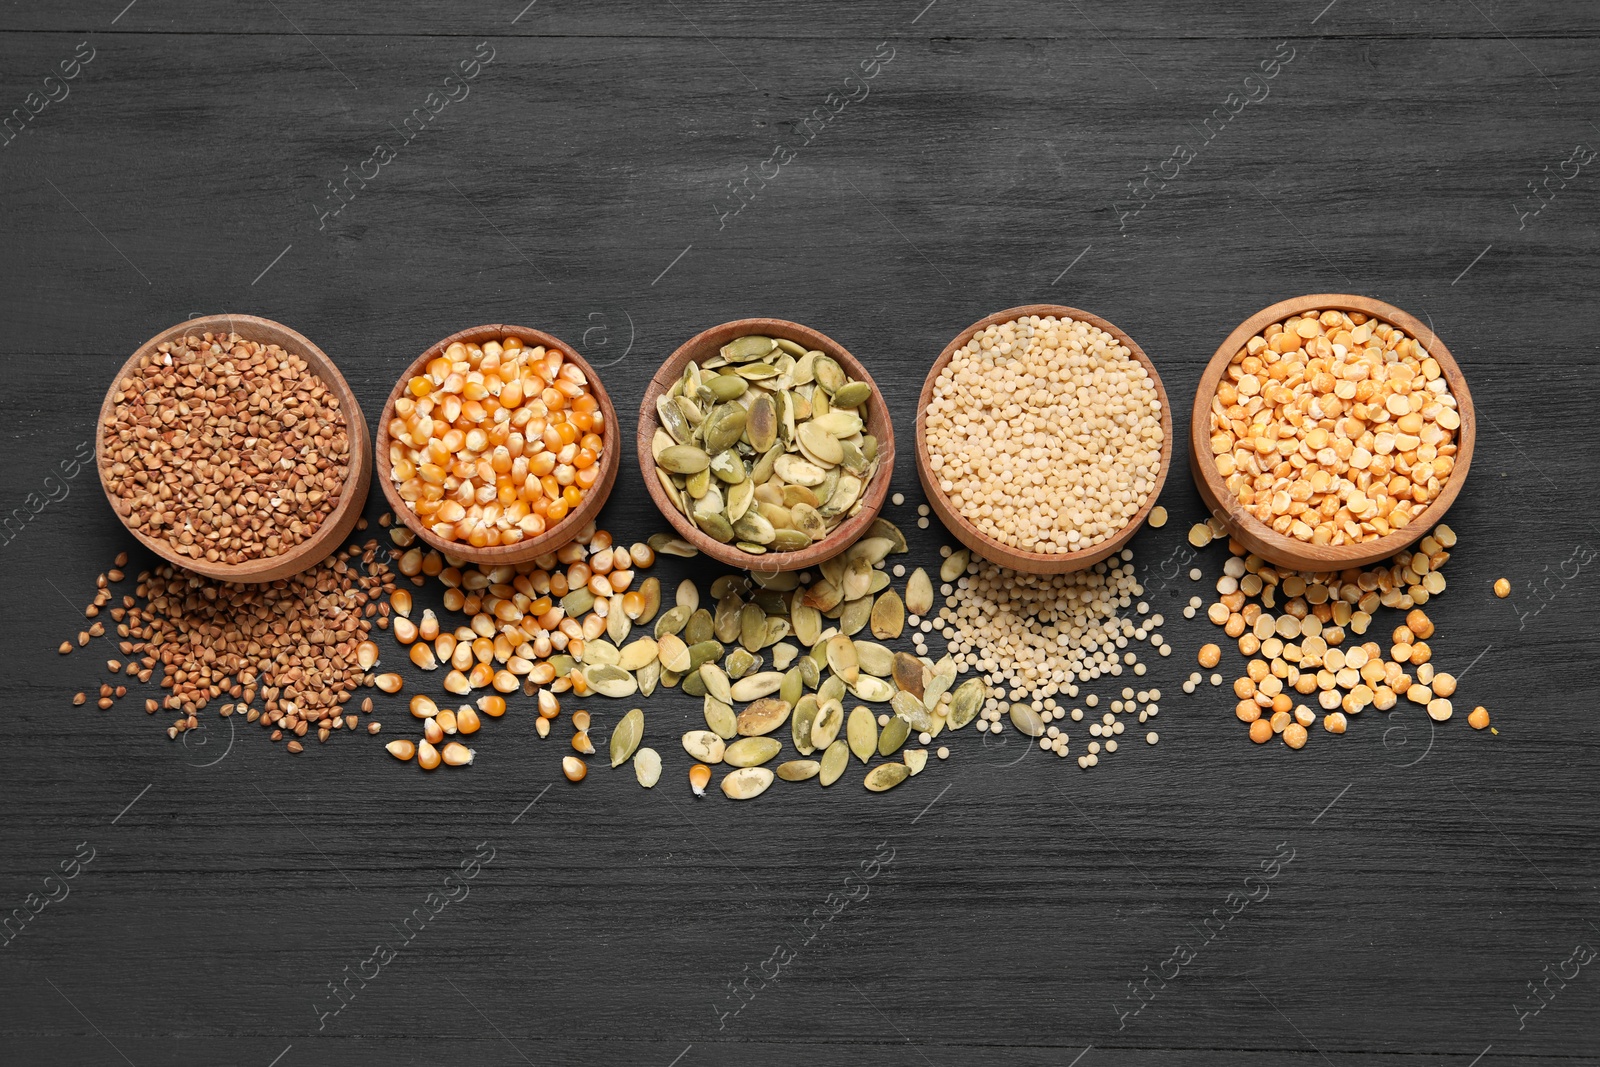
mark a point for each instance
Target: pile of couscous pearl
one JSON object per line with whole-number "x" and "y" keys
{"x": 1045, "y": 434}
{"x": 1038, "y": 640}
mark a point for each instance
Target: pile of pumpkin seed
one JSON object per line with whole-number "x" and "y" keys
{"x": 764, "y": 446}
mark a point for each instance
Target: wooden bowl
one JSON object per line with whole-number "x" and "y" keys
{"x": 555, "y": 536}
{"x": 702, "y": 347}
{"x": 1256, "y": 535}
{"x": 330, "y": 536}
{"x": 982, "y": 543}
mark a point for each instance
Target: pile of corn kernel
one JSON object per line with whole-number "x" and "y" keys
{"x": 1307, "y": 651}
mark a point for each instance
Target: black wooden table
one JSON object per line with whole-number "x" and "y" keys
{"x": 628, "y": 174}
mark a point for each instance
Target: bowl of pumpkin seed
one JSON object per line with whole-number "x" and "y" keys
{"x": 766, "y": 445}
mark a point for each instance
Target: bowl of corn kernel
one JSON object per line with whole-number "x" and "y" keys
{"x": 497, "y": 444}
{"x": 1331, "y": 431}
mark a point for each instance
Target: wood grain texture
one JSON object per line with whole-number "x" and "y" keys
{"x": 588, "y": 162}
{"x": 703, "y": 346}
{"x": 991, "y": 548}
{"x": 1262, "y": 539}
{"x": 334, "y": 530}
{"x": 559, "y": 534}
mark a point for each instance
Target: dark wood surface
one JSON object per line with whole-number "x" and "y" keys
{"x": 1436, "y": 872}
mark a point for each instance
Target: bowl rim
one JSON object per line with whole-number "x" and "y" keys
{"x": 556, "y": 536}
{"x": 997, "y": 551}
{"x": 1256, "y": 535}
{"x": 336, "y": 528}
{"x": 846, "y": 533}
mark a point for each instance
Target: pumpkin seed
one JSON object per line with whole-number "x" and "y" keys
{"x": 577, "y": 603}
{"x": 672, "y": 418}
{"x": 724, "y": 386}
{"x": 755, "y": 686}
{"x": 720, "y": 717}
{"x": 647, "y": 767}
{"x": 761, "y": 425}
{"x": 820, "y": 446}
{"x": 648, "y": 677}
{"x": 783, "y": 654}
{"x": 792, "y": 468}
{"x": 877, "y": 690}
{"x": 888, "y": 616}
{"x": 919, "y": 593}
{"x": 742, "y": 349}
{"x": 793, "y": 686}
{"x": 882, "y": 527}
{"x": 715, "y": 527}
{"x": 893, "y": 736}
{"x": 908, "y": 673}
{"x": 832, "y": 688}
{"x": 612, "y": 682}
{"x": 668, "y": 545}
{"x": 872, "y": 549}
{"x": 810, "y": 673}
{"x": 752, "y": 628}
{"x": 966, "y": 702}
{"x": 842, "y": 658}
{"x": 672, "y": 652}
{"x": 746, "y": 783}
{"x": 726, "y": 621}
{"x": 755, "y": 528}
{"x": 834, "y": 761}
{"x": 692, "y": 685}
{"x": 684, "y": 459}
{"x": 1025, "y": 719}
{"x": 716, "y": 682}
{"x": 704, "y": 746}
{"x": 874, "y": 658}
{"x": 798, "y": 770}
{"x": 862, "y": 733}
{"x": 800, "y": 724}
{"x": 727, "y": 466}
{"x": 762, "y": 717}
{"x": 855, "y": 615}
{"x": 886, "y": 776}
{"x": 671, "y": 623}
{"x": 739, "y": 663}
{"x": 723, "y": 427}
{"x": 751, "y": 751}
{"x": 910, "y": 710}
{"x": 740, "y": 497}
{"x": 703, "y": 652}
{"x": 954, "y": 565}
{"x": 830, "y": 717}
{"x": 809, "y": 521}
{"x": 916, "y": 759}
{"x": 600, "y": 653}
{"x": 944, "y": 675}
{"x": 852, "y": 395}
{"x": 626, "y": 736}
{"x": 828, "y": 373}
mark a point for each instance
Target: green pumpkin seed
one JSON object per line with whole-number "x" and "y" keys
{"x": 944, "y": 676}
{"x": 704, "y": 652}
{"x": 800, "y": 724}
{"x": 691, "y": 410}
{"x": 810, "y": 673}
{"x": 763, "y": 717}
{"x": 751, "y": 751}
{"x": 647, "y": 767}
{"x": 742, "y": 349}
{"x": 720, "y": 717}
{"x": 761, "y": 426}
{"x": 724, "y": 387}
{"x": 852, "y": 395}
{"x": 886, "y": 776}
{"x": 672, "y": 419}
{"x": 716, "y": 527}
{"x": 693, "y": 685}
{"x": 698, "y": 627}
{"x": 799, "y": 770}
{"x": 672, "y": 621}
{"x": 1024, "y": 718}
{"x": 807, "y": 622}
{"x": 794, "y": 348}
{"x": 752, "y": 627}
{"x": 966, "y": 702}
{"x": 739, "y": 663}
{"x": 578, "y": 602}
{"x": 834, "y": 761}
{"x": 828, "y": 373}
{"x": 740, "y": 497}
{"x": 862, "y": 733}
{"x": 625, "y": 738}
{"x": 723, "y": 427}
{"x": 668, "y": 545}
{"x": 684, "y": 459}
{"x": 727, "y": 466}
{"x": 832, "y": 689}
{"x": 894, "y": 735}
{"x": 761, "y": 473}
{"x": 793, "y": 685}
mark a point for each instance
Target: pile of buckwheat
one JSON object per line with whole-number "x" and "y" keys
{"x": 226, "y": 449}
